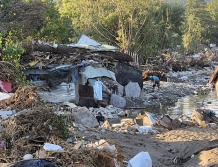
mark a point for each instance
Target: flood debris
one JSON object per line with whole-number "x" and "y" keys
{"x": 204, "y": 116}
{"x": 24, "y": 97}
{"x": 80, "y": 94}
{"x": 142, "y": 159}
{"x": 8, "y": 78}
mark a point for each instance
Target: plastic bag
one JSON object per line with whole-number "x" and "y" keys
{"x": 34, "y": 163}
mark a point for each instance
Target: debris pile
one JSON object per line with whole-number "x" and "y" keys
{"x": 24, "y": 97}
{"x": 22, "y": 136}
{"x": 8, "y": 74}
{"x": 175, "y": 64}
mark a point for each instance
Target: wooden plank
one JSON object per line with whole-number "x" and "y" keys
{"x": 214, "y": 76}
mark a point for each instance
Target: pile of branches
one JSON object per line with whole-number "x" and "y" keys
{"x": 24, "y": 97}
{"x": 28, "y": 131}
{"x": 8, "y": 73}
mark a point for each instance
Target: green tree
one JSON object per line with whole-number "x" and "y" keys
{"x": 196, "y": 24}
{"x": 22, "y": 18}
{"x": 212, "y": 8}
{"x": 56, "y": 28}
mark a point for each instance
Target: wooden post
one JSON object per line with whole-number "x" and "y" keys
{"x": 216, "y": 87}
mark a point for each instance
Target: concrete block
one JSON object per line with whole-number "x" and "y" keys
{"x": 117, "y": 101}
{"x": 132, "y": 90}
{"x": 84, "y": 116}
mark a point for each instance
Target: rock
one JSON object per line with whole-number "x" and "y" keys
{"x": 82, "y": 128}
{"x": 195, "y": 93}
{"x": 213, "y": 125}
{"x": 135, "y": 128}
{"x": 1, "y": 128}
{"x": 166, "y": 121}
{"x": 120, "y": 89}
{"x": 132, "y": 90}
{"x": 118, "y": 101}
{"x": 69, "y": 140}
{"x": 131, "y": 132}
{"x": 200, "y": 117}
{"x": 176, "y": 123}
{"x": 121, "y": 113}
{"x": 84, "y": 116}
{"x": 97, "y": 137}
{"x": 184, "y": 78}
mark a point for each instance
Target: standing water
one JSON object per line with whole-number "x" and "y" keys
{"x": 187, "y": 104}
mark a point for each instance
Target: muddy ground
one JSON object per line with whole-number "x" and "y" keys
{"x": 187, "y": 147}
{"x": 190, "y": 146}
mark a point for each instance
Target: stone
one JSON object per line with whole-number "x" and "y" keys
{"x": 118, "y": 101}
{"x": 176, "y": 123}
{"x": 1, "y": 128}
{"x": 132, "y": 90}
{"x": 84, "y": 116}
{"x": 166, "y": 121}
{"x": 131, "y": 132}
{"x": 120, "y": 89}
{"x": 121, "y": 113}
{"x": 97, "y": 137}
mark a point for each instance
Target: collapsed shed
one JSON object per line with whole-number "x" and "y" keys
{"x": 97, "y": 70}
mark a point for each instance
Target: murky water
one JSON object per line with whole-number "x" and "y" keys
{"x": 186, "y": 105}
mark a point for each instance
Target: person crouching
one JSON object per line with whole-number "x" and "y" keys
{"x": 156, "y": 81}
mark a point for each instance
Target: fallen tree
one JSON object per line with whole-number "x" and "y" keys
{"x": 66, "y": 49}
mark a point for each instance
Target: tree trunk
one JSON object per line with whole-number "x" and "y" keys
{"x": 64, "y": 49}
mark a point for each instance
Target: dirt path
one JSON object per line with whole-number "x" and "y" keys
{"x": 192, "y": 146}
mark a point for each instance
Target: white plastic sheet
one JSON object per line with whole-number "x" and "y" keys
{"x": 144, "y": 129}
{"x": 142, "y": 159}
{"x": 4, "y": 96}
{"x": 52, "y": 147}
{"x": 98, "y": 90}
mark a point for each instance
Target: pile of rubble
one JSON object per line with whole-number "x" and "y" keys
{"x": 165, "y": 64}
{"x": 64, "y": 134}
